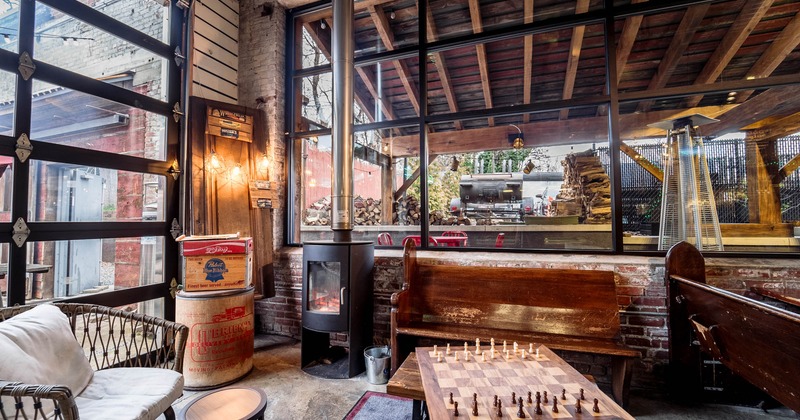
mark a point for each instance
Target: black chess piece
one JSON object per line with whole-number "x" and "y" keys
{"x": 475, "y": 407}
{"x": 475, "y": 396}
{"x": 451, "y": 398}
{"x": 495, "y": 401}
{"x": 578, "y": 406}
{"x": 555, "y": 405}
{"x": 563, "y": 394}
{"x": 499, "y": 408}
{"x": 530, "y": 400}
{"x": 582, "y": 397}
{"x": 538, "y": 397}
{"x": 455, "y": 409}
{"x": 538, "y": 407}
{"x": 520, "y": 411}
{"x": 596, "y": 408}
{"x": 544, "y": 397}
{"x": 513, "y": 398}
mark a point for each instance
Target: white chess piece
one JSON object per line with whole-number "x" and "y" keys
{"x": 523, "y": 353}
{"x": 466, "y": 356}
{"x": 466, "y": 347}
{"x": 537, "y": 353}
{"x": 439, "y": 357}
{"x": 456, "y": 356}
{"x": 530, "y": 348}
{"x": 504, "y": 345}
{"x": 483, "y": 356}
{"x": 447, "y": 351}
{"x": 434, "y": 349}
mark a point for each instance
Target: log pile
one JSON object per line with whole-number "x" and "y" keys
{"x": 406, "y": 211}
{"x": 366, "y": 212}
{"x": 587, "y": 185}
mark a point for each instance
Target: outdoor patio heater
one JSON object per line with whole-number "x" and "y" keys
{"x": 688, "y": 208}
{"x": 337, "y": 275}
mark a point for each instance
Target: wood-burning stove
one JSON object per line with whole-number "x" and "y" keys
{"x": 337, "y": 298}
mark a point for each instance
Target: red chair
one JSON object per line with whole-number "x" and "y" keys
{"x": 418, "y": 240}
{"x": 457, "y": 234}
{"x": 499, "y": 242}
{"x": 384, "y": 238}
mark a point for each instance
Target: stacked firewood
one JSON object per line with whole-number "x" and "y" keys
{"x": 367, "y": 212}
{"x": 406, "y": 211}
{"x": 586, "y": 184}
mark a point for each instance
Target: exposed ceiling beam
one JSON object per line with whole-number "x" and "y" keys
{"x": 547, "y": 133}
{"x": 740, "y": 29}
{"x": 787, "y": 169}
{"x": 680, "y": 40}
{"x": 775, "y": 101}
{"x": 575, "y": 46}
{"x": 411, "y": 179}
{"x": 385, "y": 31}
{"x": 527, "y": 57}
{"x": 441, "y": 69}
{"x": 630, "y": 29}
{"x": 774, "y": 55}
{"x": 779, "y": 128}
{"x": 480, "y": 49}
{"x": 327, "y": 13}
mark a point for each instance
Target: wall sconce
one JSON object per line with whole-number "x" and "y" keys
{"x": 516, "y": 141}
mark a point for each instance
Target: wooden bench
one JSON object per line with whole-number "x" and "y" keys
{"x": 759, "y": 342}
{"x": 573, "y": 310}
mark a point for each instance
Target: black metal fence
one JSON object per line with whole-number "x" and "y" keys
{"x": 641, "y": 191}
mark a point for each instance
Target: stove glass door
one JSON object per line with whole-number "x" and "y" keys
{"x": 324, "y": 287}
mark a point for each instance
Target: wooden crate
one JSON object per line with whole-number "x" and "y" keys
{"x": 210, "y": 265}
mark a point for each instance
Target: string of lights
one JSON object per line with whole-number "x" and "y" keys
{"x": 7, "y": 34}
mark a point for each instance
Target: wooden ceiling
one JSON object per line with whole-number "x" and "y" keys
{"x": 725, "y": 46}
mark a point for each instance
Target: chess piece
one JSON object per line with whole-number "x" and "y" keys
{"x": 495, "y": 401}
{"x": 523, "y": 353}
{"x": 513, "y": 398}
{"x": 530, "y": 348}
{"x": 538, "y": 396}
{"x": 499, "y": 408}
{"x": 455, "y": 409}
{"x": 516, "y": 346}
{"x": 555, "y": 405}
{"x": 483, "y": 357}
{"x": 475, "y": 408}
{"x": 475, "y": 397}
{"x": 530, "y": 400}
{"x": 466, "y": 347}
{"x": 596, "y": 408}
{"x": 447, "y": 351}
{"x": 578, "y": 406}
{"x": 434, "y": 349}
{"x": 451, "y": 398}
{"x": 582, "y": 397}
{"x": 456, "y": 356}
{"x": 504, "y": 346}
{"x": 538, "y": 407}
{"x": 563, "y": 394}
{"x": 507, "y": 354}
{"x": 537, "y": 353}
{"x": 520, "y": 412}
{"x": 439, "y": 357}
{"x": 544, "y": 397}
{"x": 466, "y": 356}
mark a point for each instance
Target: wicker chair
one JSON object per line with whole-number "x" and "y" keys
{"x": 111, "y": 338}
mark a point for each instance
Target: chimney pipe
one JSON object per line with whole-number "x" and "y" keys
{"x": 342, "y": 131}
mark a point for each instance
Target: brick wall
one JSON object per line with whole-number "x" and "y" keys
{"x": 640, "y": 287}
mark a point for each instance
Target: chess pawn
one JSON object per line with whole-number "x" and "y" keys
{"x": 537, "y": 352}
{"x": 578, "y": 406}
{"x": 504, "y": 345}
{"x": 530, "y": 348}
{"x": 466, "y": 347}
{"x": 439, "y": 357}
{"x": 544, "y": 397}
{"x": 516, "y": 346}
{"x": 451, "y": 398}
{"x": 523, "y": 353}
{"x": 530, "y": 400}
{"x": 456, "y": 356}
{"x": 582, "y": 397}
{"x": 499, "y": 408}
{"x": 538, "y": 407}
{"x": 455, "y": 409}
{"x": 447, "y": 351}
{"x": 466, "y": 356}
{"x": 555, "y": 405}
{"x": 434, "y": 349}
{"x": 513, "y": 398}
{"x": 520, "y": 412}
{"x": 475, "y": 408}
{"x": 495, "y": 401}
{"x": 483, "y": 357}
{"x": 596, "y": 408}
{"x": 507, "y": 356}
{"x": 478, "y": 349}
{"x": 491, "y": 341}
{"x": 563, "y": 394}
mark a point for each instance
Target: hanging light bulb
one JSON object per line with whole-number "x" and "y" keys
{"x": 214, "y": 160}
{"x": 236, "y": 171}
{"x": 264, "y": 162}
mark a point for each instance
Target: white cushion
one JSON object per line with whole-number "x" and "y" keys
{"x": 38, "y": 347}
{"x": 129, "y": 393}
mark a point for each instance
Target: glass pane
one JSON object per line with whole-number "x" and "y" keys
{"x": 8, "y": 83}
{"x": 316, "y": 98}
{"x": 146, "y": 16}
{"x": 73, "y": 118}
{"x": 4, "y": 273}
{"x": 519, "y": 71}
{"x": 696, "y": 46}
{"x": 71, "y": 193}
{"x": 9, "y": 25}
{"x": 456, "y": 18}
{"x": 748, "y": 150}
{"x": 396, "y": 87}
{"x": 543, "y": 186}
{"x": 70, "y": 268}
{"x": 382, "y": 27}
{"x": 324, "y": 279}
{"x": 76, "y": 46}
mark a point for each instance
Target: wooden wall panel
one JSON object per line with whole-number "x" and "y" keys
{"x": 215, "y": 55}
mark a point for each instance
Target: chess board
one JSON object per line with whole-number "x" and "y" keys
{"x": 538, "y": 372}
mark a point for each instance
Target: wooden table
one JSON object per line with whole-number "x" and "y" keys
{"x": 407, "y": 383}
{"x": 501, "y": 376}
{"x": 227, "y": 403}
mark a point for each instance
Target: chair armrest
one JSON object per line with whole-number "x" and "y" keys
{"x": 116, "y": 338}
{"x": 28, "y": 398}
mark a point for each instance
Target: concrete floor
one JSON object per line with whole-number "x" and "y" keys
{"x": 293, "y": 394}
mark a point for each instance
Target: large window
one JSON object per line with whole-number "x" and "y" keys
{"x": 557, "y": 127}
{"x": 94, "y": 98}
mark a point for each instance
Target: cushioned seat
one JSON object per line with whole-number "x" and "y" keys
{"x": 69, "y": 361}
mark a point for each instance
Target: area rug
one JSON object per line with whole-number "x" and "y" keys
{"x": 379, "y": 406}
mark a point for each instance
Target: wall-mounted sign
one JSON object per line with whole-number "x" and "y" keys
{"x": 229, "y": 124}
{"x": 260, "y": 194}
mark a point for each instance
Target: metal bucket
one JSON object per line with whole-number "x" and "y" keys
{"x": 377, "y": 359}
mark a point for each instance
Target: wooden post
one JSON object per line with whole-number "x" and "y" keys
{"x": 763, "y": 196}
